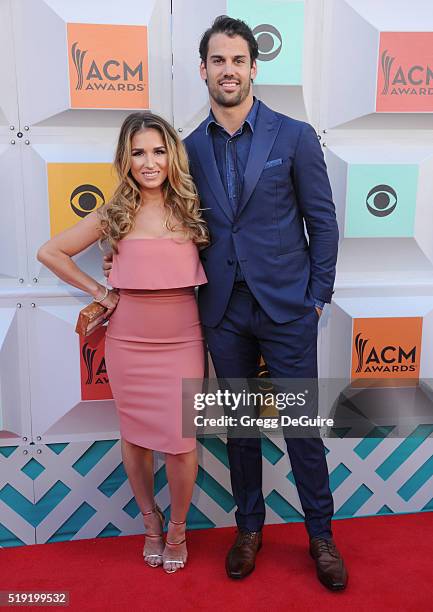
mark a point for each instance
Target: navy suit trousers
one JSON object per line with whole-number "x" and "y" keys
{"x": 290, "y": 351}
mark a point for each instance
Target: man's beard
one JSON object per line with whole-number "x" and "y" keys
{"x": 229, "y": 100}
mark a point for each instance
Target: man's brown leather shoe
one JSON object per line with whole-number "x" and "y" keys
{"x": 240, "y": 560}
{"x": 329, "y": 564}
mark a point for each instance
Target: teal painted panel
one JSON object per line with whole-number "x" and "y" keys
{"x": 92, "y": 456}
{"x": 385, "y": 510}
{"x": 429, "y": 505}
{"x": 195, "y": 519}
{"x": 73, "y": 524}
{"x": 109, "y": 531}
{"x": 160, "y": 479}
{"x": 58, "y": 447}
{"x": 113, "y": 481}
{"x": 282, "y": 507}
{"x": 404, "y": 451}
{"x": 7, "y": 451}
{"x": 52, "y": 498}
{"x": 355, "y": 501}
{"x": 198, "y": 520}
{"x": 271, "y": 451}
{"x": 291, "y": 478}
{"x": 381, "y": 200}
{"x": 8, "y": 539}
{"x": 131, "y": 508}
{"x": 216, "y": 491}
{"x": 338, "y": 475}
{"x": 340, "y": 432}
{"x": 417, "y": 480}
{"x": 372, "y": 441}
{"x": 217, "y": 447}
{"x": 33, "y": 469}
{"x": 34, "y": 513}
{"x": 278, "y": 26}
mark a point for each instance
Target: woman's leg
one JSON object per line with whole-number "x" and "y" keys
{"x": 138, "y": 463}
{"x": 181, "y": 474}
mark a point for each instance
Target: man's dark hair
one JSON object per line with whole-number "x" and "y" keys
{"x": 230, "y": 27}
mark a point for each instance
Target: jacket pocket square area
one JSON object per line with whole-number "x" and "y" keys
{"x": 273, "y": 162}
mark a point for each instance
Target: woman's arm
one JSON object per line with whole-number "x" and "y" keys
{"x": 57, "y": 253}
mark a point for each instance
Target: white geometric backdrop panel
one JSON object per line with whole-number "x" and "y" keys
{"x": 360, "y": 72}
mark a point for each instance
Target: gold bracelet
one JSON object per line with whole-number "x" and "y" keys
{"x": 102, "y": 298}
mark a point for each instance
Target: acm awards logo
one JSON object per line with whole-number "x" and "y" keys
{"x": 108, "y": 66}
{"x": 100, "y": 376}
{"x": 269, "y": 41}
{"x": 417, "y": 80}
{"x": 106, "y": 75}
{"x": 381, "y": 200}
{"x": 388, "y": 358}
{"x": 405, "y": 72}
{"x": 387, "y": 348}
{"x": 95, "y": 384}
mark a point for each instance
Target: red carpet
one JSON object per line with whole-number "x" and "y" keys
{"x": 390, "y": 562}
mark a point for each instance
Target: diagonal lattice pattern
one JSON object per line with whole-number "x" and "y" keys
{"x": 80, "y": 489}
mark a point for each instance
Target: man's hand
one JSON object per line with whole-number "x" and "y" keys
{"x": 318, "y": 310}
{"x": 107, "y": 265}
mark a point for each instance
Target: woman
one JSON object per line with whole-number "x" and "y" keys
{"x": 154, "y": 338}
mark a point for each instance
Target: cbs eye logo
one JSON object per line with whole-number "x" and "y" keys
{"x": 85, "y": 199}
{"x": 269, "y": 41}
{"x": 381, "y": 200}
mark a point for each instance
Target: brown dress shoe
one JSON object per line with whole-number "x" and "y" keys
{"x": 240, "y": 560}
{"x": 329, "y": 564}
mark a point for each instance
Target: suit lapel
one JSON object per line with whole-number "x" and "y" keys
{"x": 206, "y": 157}
{"x": 265, "y": 131}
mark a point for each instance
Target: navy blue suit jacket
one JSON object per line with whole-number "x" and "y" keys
{"x": 285, "y": 185}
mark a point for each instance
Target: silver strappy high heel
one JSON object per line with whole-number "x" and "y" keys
{"x": 169, "y": 556}
{"x": 154, "y": 559}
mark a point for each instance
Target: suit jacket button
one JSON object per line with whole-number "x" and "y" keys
{"x": 235, "y": 229}
{"x": 230, "y": 262}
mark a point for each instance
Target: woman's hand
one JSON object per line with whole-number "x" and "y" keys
{"x": 110, "y": 302}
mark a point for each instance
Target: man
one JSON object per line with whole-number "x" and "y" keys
{"x": 260, "y": 176}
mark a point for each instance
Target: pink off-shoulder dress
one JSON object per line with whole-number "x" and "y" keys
{"x": 154, "y": 339}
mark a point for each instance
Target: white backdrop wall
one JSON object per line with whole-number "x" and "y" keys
{"x": 360, "y": 72}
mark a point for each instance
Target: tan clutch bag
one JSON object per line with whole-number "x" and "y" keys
{"x": 90, "y": 318}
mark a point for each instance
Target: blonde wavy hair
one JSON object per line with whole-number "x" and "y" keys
{"x": 181, "y": 200}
